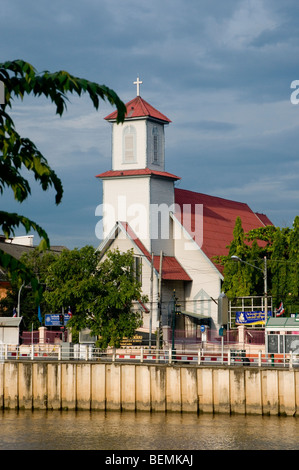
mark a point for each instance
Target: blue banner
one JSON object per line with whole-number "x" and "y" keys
{"x": 245, "y": 318}
{"x": 54, "y": 319}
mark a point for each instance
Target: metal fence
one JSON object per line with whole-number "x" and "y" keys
{"x": 231, "y": 337}
{"x": 50, "y": 337}
{"x": 80, "y": 352}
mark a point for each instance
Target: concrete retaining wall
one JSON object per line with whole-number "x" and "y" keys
{"x": 100, "y": 386}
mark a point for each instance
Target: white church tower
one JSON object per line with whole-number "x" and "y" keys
{"x": 137, "y": 190}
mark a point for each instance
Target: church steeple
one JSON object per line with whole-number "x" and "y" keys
{"x": 137, "y": 184}
{"x": 139, "y": 142}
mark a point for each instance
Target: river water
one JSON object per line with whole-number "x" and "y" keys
{"x": 123, "y": 431}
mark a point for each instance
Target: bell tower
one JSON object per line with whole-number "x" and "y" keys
{"x": 137, "y": 182}
{"x": 139, "y": 141}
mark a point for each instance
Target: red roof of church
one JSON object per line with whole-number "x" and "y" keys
{"x": 171, "y": 268}
{"x": 139, "y": 172}
{"x": 219, "y": 218}
{"x": 137, "y": 108}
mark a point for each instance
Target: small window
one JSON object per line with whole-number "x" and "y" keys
{"x": 129, "y": 142}
{"x": 155, "y": 145}
{"x": 137, "y": 269}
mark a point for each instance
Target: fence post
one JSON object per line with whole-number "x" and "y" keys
{"x": 198, "y": 356}
{"x": 170, "y": 356}
{"x": 32, "y": 352}
{"x": 291, "y": 360}
{"x": 59, "y": 352}
{"x": 141, "y": 354}
{"x": 228, "y": 357}
{"x": 260, "y": 359}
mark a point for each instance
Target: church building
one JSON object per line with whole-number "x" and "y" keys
{"x": 174, "y": 233}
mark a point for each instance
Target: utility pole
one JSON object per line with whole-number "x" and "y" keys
{"x": 160, "y": 299}
{"x": 173, "y": 321}
{"x": 19, "y": 300}
{"x": 151, "y": 306}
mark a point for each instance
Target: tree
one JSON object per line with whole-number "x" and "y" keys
{"x": 38, "y": 263}
{"x": 284, "y": 267}
{"x": 101, "y": 294}
{"x": 281, "y": 248}
{"x": 16, "y": 152}
{"x": 237, "y": 278}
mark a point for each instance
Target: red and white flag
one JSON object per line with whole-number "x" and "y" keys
{"x": 280, "y": 310}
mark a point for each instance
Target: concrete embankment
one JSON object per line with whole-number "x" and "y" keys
{"x": 177, "y": 388}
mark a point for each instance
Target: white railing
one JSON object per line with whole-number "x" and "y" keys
{"x": 80, "y": 352}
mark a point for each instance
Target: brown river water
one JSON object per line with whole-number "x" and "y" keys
{"x": 125, "y": 431}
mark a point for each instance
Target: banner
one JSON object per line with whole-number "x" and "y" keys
{"x": 251, "y": 318}
{"x": 56, "y": 319}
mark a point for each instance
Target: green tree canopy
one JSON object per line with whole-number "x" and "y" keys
{"x": 101, "y": 294}
{"x": 18, "y": 153}
{"x": 37, "y": 263}
{"x": 281, "y": 248}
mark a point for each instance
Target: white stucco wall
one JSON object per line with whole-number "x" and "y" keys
{"x": 117, "y": 145}
{"x": 127, "y": 200}
{"x": 206, "y": 279}
{"x": 144, "y": 145}
{"x": 162, "y": 200}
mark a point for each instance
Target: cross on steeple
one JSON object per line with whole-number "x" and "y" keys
{"x": 138, "y": 82}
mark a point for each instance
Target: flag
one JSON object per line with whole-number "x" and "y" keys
{"x": 280, "y": 311}
{"x": 39, "y": 315}
{"x": 14, "y": 312}
{"x": 70, "y": 312}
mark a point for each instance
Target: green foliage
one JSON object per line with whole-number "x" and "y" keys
{"x": 284, "y": 267}
{"x": 36, "y": 263}
{"x": 101, "y": 294}
{"x": 237, "y": 277}
{"x": 281, "y": 248}
{"x": 18, "y": 153}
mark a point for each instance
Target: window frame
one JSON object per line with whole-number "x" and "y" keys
{"x": 129, "y": 132}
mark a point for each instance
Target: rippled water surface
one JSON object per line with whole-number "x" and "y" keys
{"x": 68, "y": 430}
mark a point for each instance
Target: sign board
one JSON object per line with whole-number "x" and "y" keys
{"x": 54, "y": 319}
{"x": 245, "y": 318}
{"x": 139, "y": 339}
{"x": 86, "y": 337}
{"x": 222, "y": 331}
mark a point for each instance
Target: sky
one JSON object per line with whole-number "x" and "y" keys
{"x": 221, "y": 71}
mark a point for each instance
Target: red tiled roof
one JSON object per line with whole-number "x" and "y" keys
{"x": 144, "y": 171}
{"x": 138, "y": 107}
{"x": 171, "y": 268}
{"x": 264, "y": 219}
{"x": 219, "y": 217}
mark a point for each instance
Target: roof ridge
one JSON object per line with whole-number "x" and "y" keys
{"x": 214, "y": 197}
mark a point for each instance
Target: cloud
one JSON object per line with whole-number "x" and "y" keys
{"x": 221, "y": 71}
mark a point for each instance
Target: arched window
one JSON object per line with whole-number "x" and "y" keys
{"x": 155, "y": 145}
{"x": 129, "y": 144}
